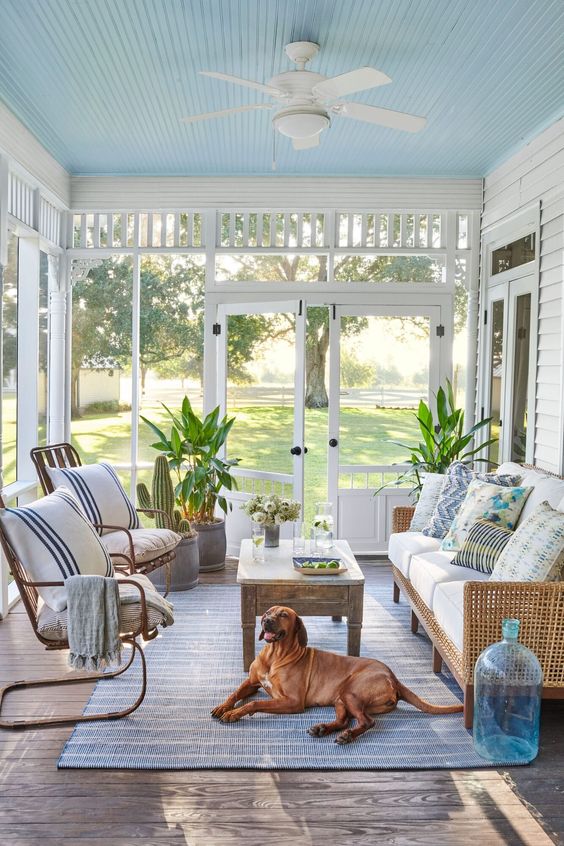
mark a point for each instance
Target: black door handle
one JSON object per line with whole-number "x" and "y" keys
{"x": 296, "y": 450}
{"x": 333, "y": 442}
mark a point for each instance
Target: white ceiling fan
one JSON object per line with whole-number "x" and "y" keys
{"x": 306, "y": 101}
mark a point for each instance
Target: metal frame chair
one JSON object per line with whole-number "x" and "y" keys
{"x": 30, "y": 598}
{"x": 65, "y": 455}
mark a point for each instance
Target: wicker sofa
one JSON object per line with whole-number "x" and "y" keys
{"x": 461, "y": 610}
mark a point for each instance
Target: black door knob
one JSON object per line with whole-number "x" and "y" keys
{"x": 296, "y": 450}
{"x": 333, "y": 442}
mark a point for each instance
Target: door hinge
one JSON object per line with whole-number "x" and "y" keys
{"x": 440, "y": 331}
{"x": 301, "y": 311}
{"x": 334, "y": 309}
{"x": 483, "y": 417}
{"x": 485, "y": 317}
{"x": 216, "y": 328}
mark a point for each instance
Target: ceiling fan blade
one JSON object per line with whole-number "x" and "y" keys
{"x": 305, "y": 143}
{"x": 224, "y": 112}
{"x": 349, "y": 83}
{"x": 246, "y": 83}
{"x": 384, "y": 117}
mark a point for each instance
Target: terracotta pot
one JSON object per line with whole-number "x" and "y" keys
{"x": 184, "y": 569}
{"x": 212, "y": 544}
{"x": 271, "y": 536}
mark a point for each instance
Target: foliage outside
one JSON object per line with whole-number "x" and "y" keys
{"x": 192, "y": 450}
{"x": 442, "y": 442}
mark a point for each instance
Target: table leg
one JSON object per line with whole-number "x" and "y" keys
{"x": 354, "y": 618}
{"x": 248, "y": 623}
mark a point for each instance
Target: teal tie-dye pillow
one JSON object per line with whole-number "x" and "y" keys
{"x": 495, "y": 503}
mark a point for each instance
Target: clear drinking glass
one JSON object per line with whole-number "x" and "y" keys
{"x": 323, "y": 526}
{"x": 299, "y": 537}
{"x": 257, "y": 537}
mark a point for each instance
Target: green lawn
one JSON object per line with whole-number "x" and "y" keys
{"x": 262, "y": 437}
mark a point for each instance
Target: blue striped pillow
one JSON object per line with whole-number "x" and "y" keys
{"x": 54, "y": 540}
{"x": 484, "y": 544}
{"x": 100, "y": 493}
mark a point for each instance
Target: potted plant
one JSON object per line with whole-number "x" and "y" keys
{"x": 271, "y": 511}
{"x": 186, "y": 566}
{"x": 443, "y": 440}
{"x": 193, "y": 450}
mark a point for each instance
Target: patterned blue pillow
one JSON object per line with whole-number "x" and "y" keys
{"x": 453, "y": 494}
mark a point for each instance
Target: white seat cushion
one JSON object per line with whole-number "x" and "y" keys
{"x": 147, "y": 543}
{"x": 402, "y": 545}
{"x": 448, "y": 608}
{"x": 432, "y": 569}
{"x": 53, "y": 625}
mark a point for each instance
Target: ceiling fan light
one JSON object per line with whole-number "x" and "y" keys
{"x": 301, "y": 123}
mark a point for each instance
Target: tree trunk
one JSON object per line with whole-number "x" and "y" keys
{"x": 75, "y": 410}
{"x": 143, "y": 378}
{"x": 316, "y": 356}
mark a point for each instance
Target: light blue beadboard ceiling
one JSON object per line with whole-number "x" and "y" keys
{"x": 103, "y": 84}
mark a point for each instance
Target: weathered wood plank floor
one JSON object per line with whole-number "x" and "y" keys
{"x": 41, "y": 806}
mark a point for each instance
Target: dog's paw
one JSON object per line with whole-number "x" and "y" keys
{"x": 230, "y": 717}
{"x": 344, "y": 737}
{"x": 317, "y": 730}
{"x": 219, "y": 711}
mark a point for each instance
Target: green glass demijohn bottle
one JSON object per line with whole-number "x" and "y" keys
{"x": 507, "y": 697}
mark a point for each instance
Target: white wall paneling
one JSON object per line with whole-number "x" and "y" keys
{"x": 533, "y": 181}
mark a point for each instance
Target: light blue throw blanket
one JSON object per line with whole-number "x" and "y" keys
{"x": 93, "y": 622}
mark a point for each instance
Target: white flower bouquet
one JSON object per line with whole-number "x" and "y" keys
{"x": 272, "y": 510}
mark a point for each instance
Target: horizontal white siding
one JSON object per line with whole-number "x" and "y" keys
{"x": 101, "y": 193}
{"x": 19, "y": 144}
{"x": 536, "y": 174}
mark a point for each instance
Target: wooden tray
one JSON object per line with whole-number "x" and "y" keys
{"x": 315, "y": 571}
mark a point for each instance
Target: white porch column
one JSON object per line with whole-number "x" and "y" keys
{"x": 57, "y": 343}
{"x": 471, "y": 357}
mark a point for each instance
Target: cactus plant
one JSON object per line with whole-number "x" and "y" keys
{"x": 163, "y": 498}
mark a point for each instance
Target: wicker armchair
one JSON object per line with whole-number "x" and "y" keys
{"x": 137, "y": 621}
{"x": 538, "y": 605}
{"x": 65, "y": 455}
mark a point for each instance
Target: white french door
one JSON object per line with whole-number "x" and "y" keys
{"x": 383, "y": 360}
{"x": 269, "y": 388}
{"x": 509, "y": 384}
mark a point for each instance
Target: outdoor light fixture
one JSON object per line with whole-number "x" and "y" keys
{"x": 301, "y": 122}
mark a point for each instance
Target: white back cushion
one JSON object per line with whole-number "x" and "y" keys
{"x": 100, "y": 493}
{"x": 53, "y": 540}
{"x": 545, "y": 488}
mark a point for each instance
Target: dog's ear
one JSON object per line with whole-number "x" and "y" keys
{"x": 261, "y": 635}
{"x": 301, "y": 631}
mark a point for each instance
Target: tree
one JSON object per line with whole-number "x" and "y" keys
{"x": 171, "y": 316}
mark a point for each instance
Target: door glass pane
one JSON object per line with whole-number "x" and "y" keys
{"x": 316, "y": 409}
{"x": 520, "y": 377}
{"x": 101, "y": 364}
{"x": 261, "y": 364}
{"x": 10, "y": 362}
{"x": 384, "y": 365}
{"x": 496, "y": 373}
{"x": 43, "y": 330}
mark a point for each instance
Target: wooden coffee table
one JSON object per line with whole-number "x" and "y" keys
{"x": 275, "y": 582}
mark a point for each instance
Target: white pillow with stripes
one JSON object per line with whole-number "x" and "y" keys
{"x": 100, "y": 493}
{"x": 54, "y": 540}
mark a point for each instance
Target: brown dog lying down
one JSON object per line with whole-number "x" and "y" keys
{"x": 298, "y": 677}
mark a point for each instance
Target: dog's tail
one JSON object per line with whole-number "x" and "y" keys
{"x": 409, "y": 696}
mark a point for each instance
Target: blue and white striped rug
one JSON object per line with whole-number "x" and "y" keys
{"x": 196, "y": 663}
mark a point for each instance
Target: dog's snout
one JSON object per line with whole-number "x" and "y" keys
{"x": 268, "y": 624}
